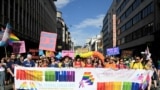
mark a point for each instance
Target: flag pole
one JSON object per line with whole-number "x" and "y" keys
{"x": 5, "y": 51}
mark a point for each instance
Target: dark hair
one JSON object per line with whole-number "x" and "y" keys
{"x": 77, "y": 57}
{"x": 101, "y": 63}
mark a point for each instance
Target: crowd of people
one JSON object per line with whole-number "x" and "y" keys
{"x": 7, "y": 65}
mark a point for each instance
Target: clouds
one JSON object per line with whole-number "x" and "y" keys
{"x": 91, "y": 22}
{"x": 87, "y": 29}
{"x": 62, "y": 3}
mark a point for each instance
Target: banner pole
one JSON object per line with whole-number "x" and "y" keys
{"x": 5, "y": 51}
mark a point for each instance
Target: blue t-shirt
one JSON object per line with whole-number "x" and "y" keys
{"x": 29, "y": 64}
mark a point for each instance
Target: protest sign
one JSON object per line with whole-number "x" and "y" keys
{"x": 113, "y": 51}
{"x": 68, "y": 53}
{"x": 48, "y": 41}
{"x": 19, "y": 47}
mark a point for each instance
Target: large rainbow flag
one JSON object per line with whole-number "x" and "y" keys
{"x": 12, "y": 38}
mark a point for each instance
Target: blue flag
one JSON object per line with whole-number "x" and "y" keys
{"x": 41, "y": 53}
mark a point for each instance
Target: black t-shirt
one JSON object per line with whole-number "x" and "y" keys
{"x": 11, "y": 65}
{"x": 18, "y": 62}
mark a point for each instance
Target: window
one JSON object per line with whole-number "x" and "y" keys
{"x": 20, "y": 16}
{"x": 122, "y": 17}
{"x": 119, "y": 42}
{"x": 0, "y": 7}
{"x": 129, "y": 10}
{"x": 128, "y": 38}
{"x": 122, "y": 40}
{"x": 6, "y": 8}
{"x": 139, "y": 33}
{"x": 147, "y": 29}
{"x": 118, "y": 32}
{"x": 150, "y": 28}
{"x": 137, "y": 18}
{"x": 118, "y": 10}
{"x": 152, "y": 7}
{"x": 16, "y": 13}
{"x": 11, "y": 9}
{"x": 1, "y": 11}
{"x": 123, "y": 28}
{"x": 24, "y": 21}
{"x": 134, "y": 35}
{"x": 148, "y": 10}
{"x": 144, "y": 13}
{"x": 136, "y": 3}
{"x": 144, "y": 31}
{"x": 118, "y": 21}
{"x": 129, "y": 24}
{"x": 122, "y": 6}
{"x": 118, "y": 1}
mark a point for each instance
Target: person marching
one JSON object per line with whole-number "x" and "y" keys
{"x": 137, "y": 64}
{"x": 77, "y": 63}
{"x": 150, "y": 66}
{"x": 28, "y": 61}
{"x": 2, "y": 76}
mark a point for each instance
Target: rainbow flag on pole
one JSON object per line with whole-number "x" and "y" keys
{"x": 12, "y": 38}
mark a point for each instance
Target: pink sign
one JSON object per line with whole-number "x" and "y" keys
{"x": 19, "y": 47}
{"x": 48, "y": 41}
{"x": 68, "y": 53}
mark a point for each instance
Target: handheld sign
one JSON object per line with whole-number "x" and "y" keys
{"x": 113, "y": 51}
{"x": 48, "y": 41}
{"x": 68, "y": 53}
{"x": 19, "y": 47}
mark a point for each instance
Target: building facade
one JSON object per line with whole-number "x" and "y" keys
{"x": 28, "y": 18}
{"x": 109, "y": 29}
{"x": 94, "y": 43}
{"x": 64, "y": 41}
{"x": 138, "y": 25}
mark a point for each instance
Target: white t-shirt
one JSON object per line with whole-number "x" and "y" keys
{"x": 1, "y": 69}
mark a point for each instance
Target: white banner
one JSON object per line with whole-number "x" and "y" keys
{"x": 80, "y": 79}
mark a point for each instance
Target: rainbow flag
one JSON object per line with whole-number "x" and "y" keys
{"x": 12, "y": 38}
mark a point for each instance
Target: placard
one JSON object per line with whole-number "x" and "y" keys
{"x": 68, "y": 53}
{"x": 19, "y": 47}
{"x": 113, "y": 51}
{"x": 48, "y": 41}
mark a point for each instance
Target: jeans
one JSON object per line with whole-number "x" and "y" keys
{"x": 2, "y": 79}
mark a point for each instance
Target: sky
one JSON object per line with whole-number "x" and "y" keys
{"x": 84, "y": 18}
